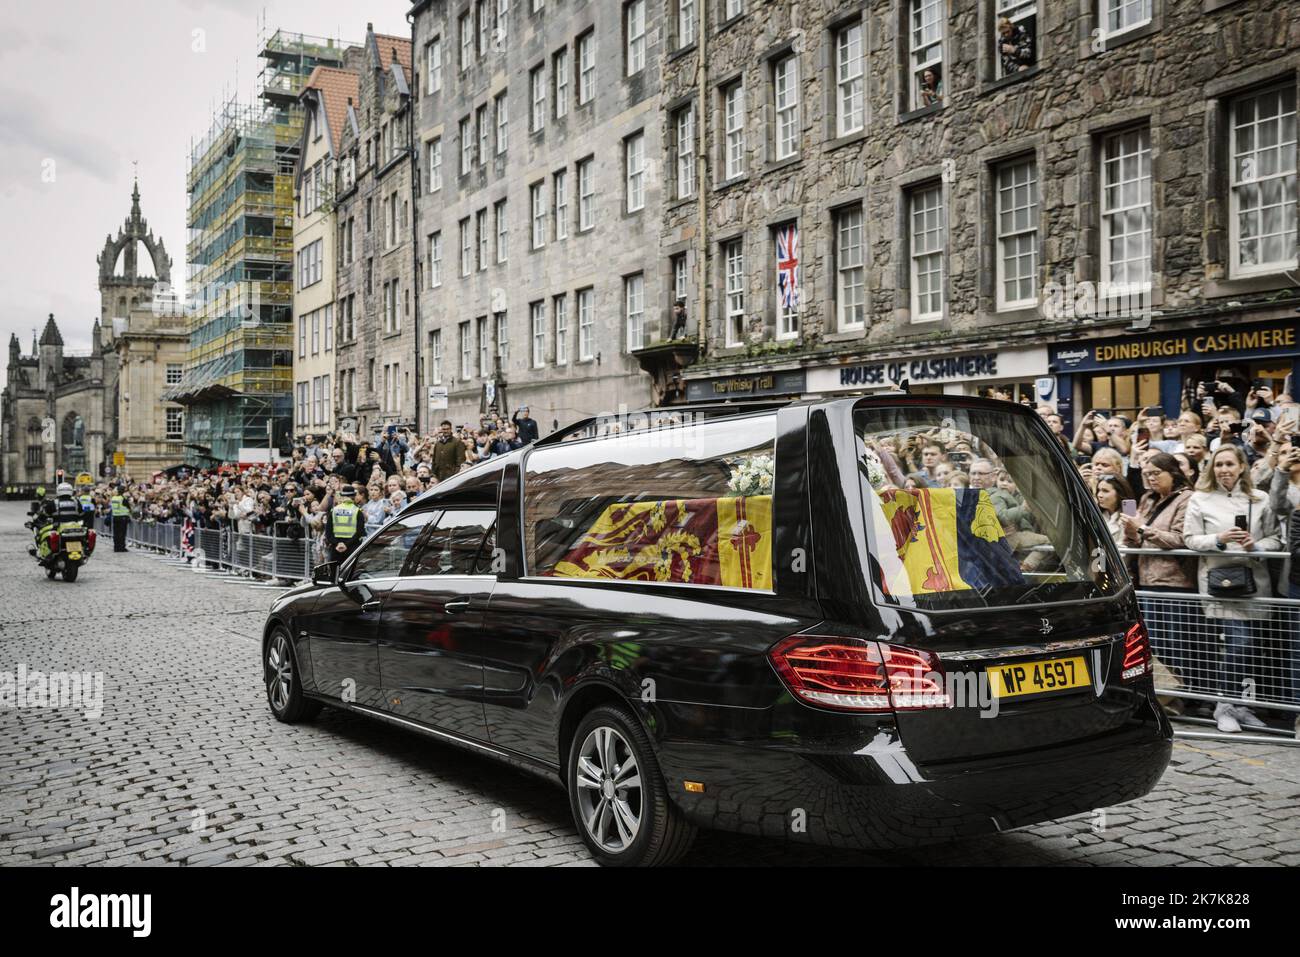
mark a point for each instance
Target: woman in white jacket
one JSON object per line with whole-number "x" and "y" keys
{"x": 1223, "y": 494}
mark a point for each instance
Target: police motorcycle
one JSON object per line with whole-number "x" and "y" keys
{"x": 63, "y": 543}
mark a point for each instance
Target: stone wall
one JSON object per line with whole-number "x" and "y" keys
{"x": 1174, "y": 75}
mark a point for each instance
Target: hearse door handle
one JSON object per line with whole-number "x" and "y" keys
{"x": 372, "y": 605}
{"x": 456, "y": 605}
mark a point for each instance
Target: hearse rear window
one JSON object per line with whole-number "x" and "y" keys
{"x": 686, "y": 503}
{"x": 971, "y": 508}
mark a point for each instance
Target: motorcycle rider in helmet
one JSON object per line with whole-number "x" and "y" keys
{"x": 54, "y": 512}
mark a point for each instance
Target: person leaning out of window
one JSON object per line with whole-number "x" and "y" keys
{"x": 1015, "y": 47}
{"x": 1227, "y": 517}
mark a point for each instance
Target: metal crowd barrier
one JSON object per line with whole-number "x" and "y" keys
{"x": 1243, "y": 651}
{"x": 279, "y": 558}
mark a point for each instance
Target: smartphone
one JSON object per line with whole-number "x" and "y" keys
{"x": 1240, "y": 522}
{"x": 1144, "y": 434}
{"x": 1128, "y": 506}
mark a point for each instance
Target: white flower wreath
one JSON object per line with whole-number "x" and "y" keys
{"x": 755, "y": 475}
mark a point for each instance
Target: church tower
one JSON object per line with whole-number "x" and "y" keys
{"x": 122, "y": 290}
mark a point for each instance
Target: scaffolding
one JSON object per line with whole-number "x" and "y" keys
{"x": 238, "y": 379}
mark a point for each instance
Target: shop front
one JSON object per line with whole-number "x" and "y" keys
{"x": 784, "y": 383}
{"x": 1013, "y": 374}
{"x": 1161, "y": 370}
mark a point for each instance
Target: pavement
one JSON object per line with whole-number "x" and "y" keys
{"x": 180, "y": 762}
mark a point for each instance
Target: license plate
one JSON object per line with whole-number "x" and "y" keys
{"x": 1037, "y": 677}
{"x": 74, "y": 551}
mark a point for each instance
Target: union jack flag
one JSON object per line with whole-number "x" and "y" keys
{"x": 787, "y": 265}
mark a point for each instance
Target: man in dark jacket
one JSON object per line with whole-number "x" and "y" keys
{"x": 343, "y": 468}
{"x": 448, "y": 453}
{"x": 526, "y": 425}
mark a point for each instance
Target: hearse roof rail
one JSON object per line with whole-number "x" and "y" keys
{"x": 663, "y": 415}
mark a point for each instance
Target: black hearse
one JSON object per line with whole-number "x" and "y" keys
{"x": 749, "y": 618}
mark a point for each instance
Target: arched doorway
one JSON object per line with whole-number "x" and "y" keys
{"x": 73, "y": 443}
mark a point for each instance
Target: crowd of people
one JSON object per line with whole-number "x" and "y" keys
{"x": 1221, "y": 479}
{"x": 293, "y": 498}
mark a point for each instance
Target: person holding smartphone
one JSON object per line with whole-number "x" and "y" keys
{"x": 1158, "y": 523}
{"x": 1115, "y": 499}
{"x": 1227, "y": 517}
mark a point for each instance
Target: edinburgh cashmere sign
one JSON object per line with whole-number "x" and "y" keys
{"x": 1245, "y": 343}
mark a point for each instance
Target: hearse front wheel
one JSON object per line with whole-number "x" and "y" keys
{"x": 618, "y": 796}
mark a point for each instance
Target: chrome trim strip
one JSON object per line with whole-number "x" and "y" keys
{"x": 447, "y": 736}
{"x": 1023, "y": 651}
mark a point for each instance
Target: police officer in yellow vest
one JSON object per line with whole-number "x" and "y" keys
{"x": 87, "y": 503}
{"x": 121, "y": 515}
{"x": 344, "y": 525}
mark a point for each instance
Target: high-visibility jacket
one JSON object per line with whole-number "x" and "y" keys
{"x": 87, "y": 503}
{"x": 345, "y": 519}
{"x": 119, "y": 507}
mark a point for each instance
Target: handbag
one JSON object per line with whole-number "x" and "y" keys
{"x": 1232, "y": 581}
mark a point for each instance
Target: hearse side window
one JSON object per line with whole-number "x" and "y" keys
{"x": 972, "y": 508}
{"x": 384, "y": 555}
{"x": 454, "y": 546}
{"x": 685, "y": 502}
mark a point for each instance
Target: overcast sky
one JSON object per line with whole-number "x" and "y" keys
{"x": 87, "y": 87}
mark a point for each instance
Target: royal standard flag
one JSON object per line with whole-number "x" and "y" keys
{"x": 947, "y": 540}
{"x": 703, "y": 541}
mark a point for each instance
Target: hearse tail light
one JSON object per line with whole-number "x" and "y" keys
{"x": 1137, "y": 653}
{"x": 847, "y": 674}
{"x": 852, "y": 674}
{"x": 915, "y": 679}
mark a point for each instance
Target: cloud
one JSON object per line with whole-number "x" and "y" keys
{"x": 30, "y": 134}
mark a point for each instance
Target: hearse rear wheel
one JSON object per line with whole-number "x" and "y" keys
{"x": 618, "y": 796}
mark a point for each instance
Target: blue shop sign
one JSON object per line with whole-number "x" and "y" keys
{"x": 1266, "y": 340}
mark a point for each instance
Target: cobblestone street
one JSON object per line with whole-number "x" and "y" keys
{"x": 186, "y": 766}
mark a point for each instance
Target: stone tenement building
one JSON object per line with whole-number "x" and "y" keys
{"x": 1099, "y": 204}
{"x": 326, "y": 98}
{"x": 374, "y": 315}
{"x": 150, "y": 346}
{"x": 538, "y": 135}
